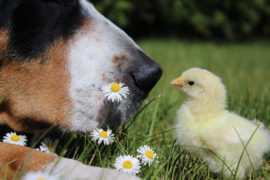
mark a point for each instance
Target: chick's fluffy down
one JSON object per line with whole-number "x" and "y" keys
{"x": 205, "y": 127}
{"x": 226, "y": 136}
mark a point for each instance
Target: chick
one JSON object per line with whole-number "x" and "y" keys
{"x": 219, "y": 137}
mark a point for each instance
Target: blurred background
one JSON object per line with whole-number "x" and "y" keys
{"x": 228, "y": 20}
{"x": 228, "y": 37}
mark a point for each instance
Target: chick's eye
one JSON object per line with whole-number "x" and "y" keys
{"x": 191, "y": 83}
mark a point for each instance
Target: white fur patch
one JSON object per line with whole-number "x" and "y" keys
{"x": 69, "y": 169}
{"x": 90, "y": 58}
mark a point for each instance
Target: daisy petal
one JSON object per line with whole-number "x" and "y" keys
{"x": 102, "y": 136}
{"x": 127, "y": 164}
{"x": 38, "y": 175}
{"x": 49, "y": 146}
{"x": 258, "y": 123}
{"x": 146, "y": 154}
{"x": 13, "y": 138}
{"x": 115, "y": 92}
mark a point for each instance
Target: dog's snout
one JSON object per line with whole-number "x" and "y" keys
{"x": 148, "y": 73}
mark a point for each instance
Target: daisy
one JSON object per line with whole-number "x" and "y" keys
{"x": 115, "y": 91}
{"x": 258, "y": 123}
{"x": 101, "y": 135}
{"x": 146, "y": 154}
{"x": 48, "y": 146}
{"x": 38, "y": 176}
{"x": 13, "y": 138}
{"x": 127, "y": 164}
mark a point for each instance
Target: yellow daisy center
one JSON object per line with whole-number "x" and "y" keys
{"x": 149, "y": 154}
{"x": 41, "y": 179}
{"x": 127, "y": 164}
{"x": 103, "y": 134}
{"x": 15, "y": 138}
{"x": 50, "y": 147}
{"x": 257, "y": 123}
{"x": 115, "y": 87}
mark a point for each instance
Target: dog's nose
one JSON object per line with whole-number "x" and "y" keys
{"x": 147, "y": 74}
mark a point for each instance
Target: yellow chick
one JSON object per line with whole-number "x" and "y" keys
{"x": 219, "y": 137}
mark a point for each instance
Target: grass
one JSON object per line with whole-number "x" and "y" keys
{"x": 244, "y": 69}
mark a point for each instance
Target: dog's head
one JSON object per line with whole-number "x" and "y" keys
{"x": 55, "y": 55}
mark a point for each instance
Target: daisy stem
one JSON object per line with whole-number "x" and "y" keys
{"x": 107, "y": 114}
{"x": 93, "y": 156}
{"x": 100, "y": 159}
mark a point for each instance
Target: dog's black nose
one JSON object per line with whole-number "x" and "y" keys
{"x": 147, "y": 74}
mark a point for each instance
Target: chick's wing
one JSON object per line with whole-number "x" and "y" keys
{"x": 236, "y": 135}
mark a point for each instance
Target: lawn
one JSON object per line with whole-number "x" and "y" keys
{"x": 244, "y": 69}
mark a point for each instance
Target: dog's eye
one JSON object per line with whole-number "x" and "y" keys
{"x": 191, "y": 83}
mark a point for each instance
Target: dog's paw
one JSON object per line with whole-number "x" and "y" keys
{"x": 69, "y": 169}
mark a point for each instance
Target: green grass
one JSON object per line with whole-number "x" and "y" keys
{"x": 244, "y": 69}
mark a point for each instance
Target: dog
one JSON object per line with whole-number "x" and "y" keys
{"x": 55, "y": 55}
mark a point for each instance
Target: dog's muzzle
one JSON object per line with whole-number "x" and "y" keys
{"x": 146, "y": 72}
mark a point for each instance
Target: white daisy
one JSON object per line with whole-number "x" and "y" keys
{"x": 258, "y": 123}
{"x": 115, "y": 91}
{"x": 101, "y": 135}
{"x": 127, "y": 164}
{"x": 146, "y": 154}
{"x": 38, "y": 176}
{"x": 13, "y": 138}
{"x": 48, "y": 146}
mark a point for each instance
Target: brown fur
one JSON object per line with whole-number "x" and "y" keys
{"x": 118, "y": 60}
{"x": 103, "y": 77}
{"x": 20, "y": 157}
{"x": 3, "y": 42}
{"x": 36, "y": 91}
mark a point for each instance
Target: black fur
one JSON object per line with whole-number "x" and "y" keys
{"x": 35, "y": 24}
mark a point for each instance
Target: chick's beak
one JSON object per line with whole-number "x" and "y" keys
{"x": 176, "y": 82}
